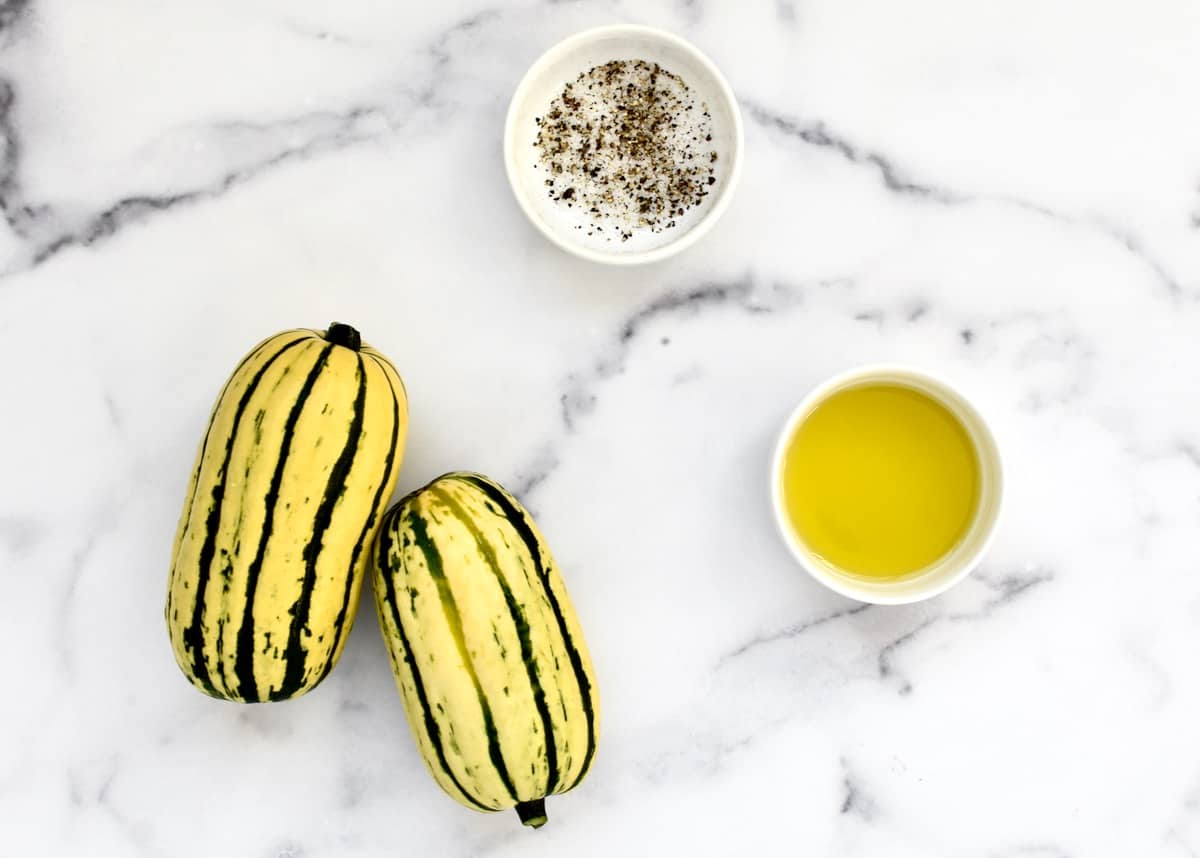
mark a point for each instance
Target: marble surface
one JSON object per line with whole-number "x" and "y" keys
{"x": 1006, "y": 193}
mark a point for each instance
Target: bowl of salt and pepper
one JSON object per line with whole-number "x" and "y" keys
{"x": 623, "y": 144}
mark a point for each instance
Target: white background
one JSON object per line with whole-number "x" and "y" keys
{"x": 1007, "y": 193}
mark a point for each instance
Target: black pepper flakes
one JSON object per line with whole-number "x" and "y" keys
{"x": 625, "y": 137}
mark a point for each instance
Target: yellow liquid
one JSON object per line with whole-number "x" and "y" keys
{"x": 881, "y": 481}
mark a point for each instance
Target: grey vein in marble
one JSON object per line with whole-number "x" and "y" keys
{"x": 1004, "y": 591}
{"x": 11, "y": 12}
{"x": 87, "y": 789}
{"x": 816, "y": 133}
{"x": 580, "y": 397}
{"x": 792, "y": 631}
{"x": 77, "y": 566}
{"x": 856, "y": 802}
{"x": 744, "y": 294}
{"x": 1113, "y": 232}
{"x": 883, "y": 660}
{"x": 1033, "y": 850}
{"x": 47, "y": 233}
{"x": 439, "y": 49}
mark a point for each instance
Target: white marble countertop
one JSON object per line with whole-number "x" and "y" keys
{"x": 1006, "y": 193}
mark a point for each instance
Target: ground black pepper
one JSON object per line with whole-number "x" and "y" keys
{"x": 628, "y": 144}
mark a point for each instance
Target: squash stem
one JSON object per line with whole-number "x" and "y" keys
{"x": 532, "y": 813}
{"x": 344, "y": 335}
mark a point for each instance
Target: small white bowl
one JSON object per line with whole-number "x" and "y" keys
{"x": 562, "y": 64}
{"x": 950, "y": 569}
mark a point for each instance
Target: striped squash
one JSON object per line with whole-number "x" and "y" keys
{"x": 294, "y": 473}
{"x": 485, "y": 647}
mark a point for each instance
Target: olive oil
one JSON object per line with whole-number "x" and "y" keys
{"x": 881, "y": 481}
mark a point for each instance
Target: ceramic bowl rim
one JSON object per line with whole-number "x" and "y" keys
{"x": 722, "y": 91}
{"x": 983, "y": 528}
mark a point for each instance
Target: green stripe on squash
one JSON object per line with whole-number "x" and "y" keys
{"x": 294, "y": 471}
{"x": 471, "y": 593}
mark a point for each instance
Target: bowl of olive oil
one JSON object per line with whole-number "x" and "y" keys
{"x": 887, "y": 484}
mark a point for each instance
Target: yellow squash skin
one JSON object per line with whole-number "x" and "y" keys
{"x": 485, "y": 646}
{"x": 293, "y": 475}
